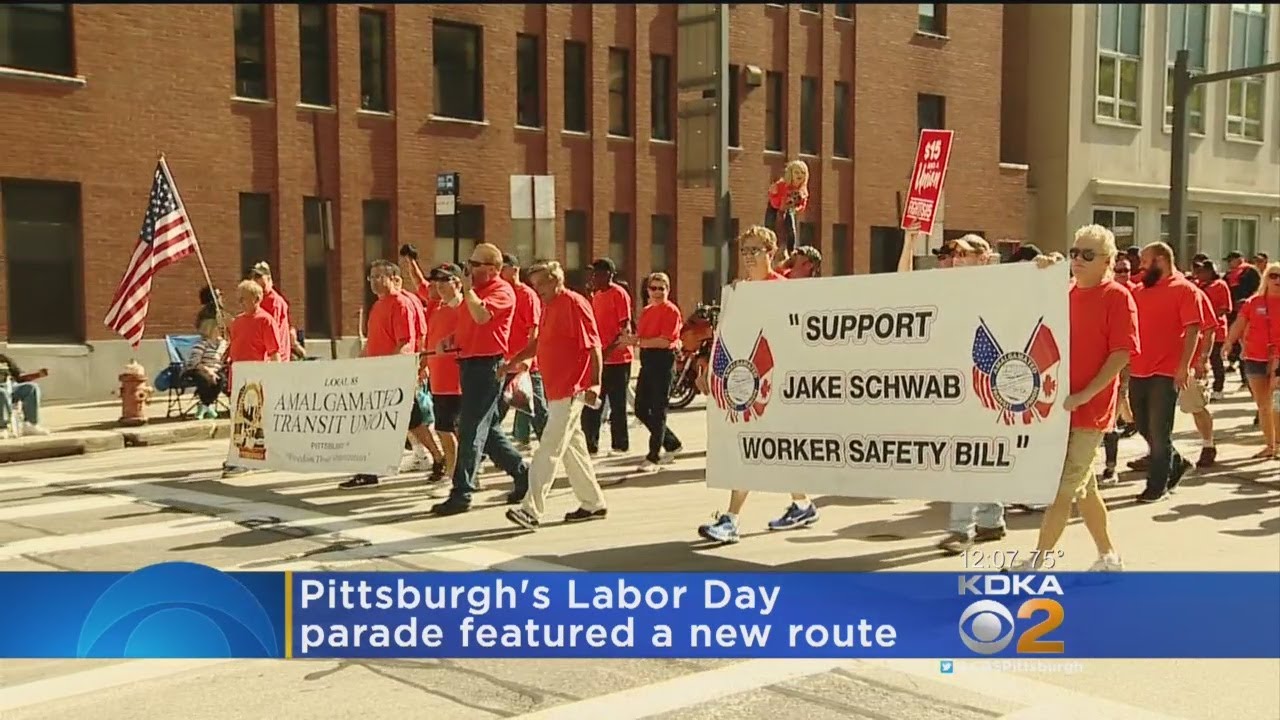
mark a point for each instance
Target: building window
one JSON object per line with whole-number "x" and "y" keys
{"x": 528, "y": 89}
{"x": 1240, "y": 234}
{"x": 844, "y": 10}
{"x": 43, "y": 243}
{"x": 620, "y": 243}
{"x": 575, "y": 86}
{"x": 931, "y": 112}
{"x": 255, "y": 231}
{"x": 841, "y": 251}
{"x": 717, "y": 255}
{"x": 1188, "y": 30}
{"x": 313, "y": 55}
{"x": 377, "y": 241}
{"x": 808, "y": 232}
{"x": 886, "y": 249}
{"x": 735, "y": 102}
{"x": 251, "y": 50}
{"x": 1192, "y": 231}
{"x": 1122, "y": 222}
{"x": 1246, "y": 96}
{"x": 811, "y": 7}
{"x": 470, "y": 225}
{"x": 1119, "y": 62}
{"x": 660, "y": 243}
{"x": 37, "y": 37}
{"x": 810, "y": 116}
{"x": 842, "y": 119}
{"x": 373, "y": 61}
{"x": 931, "y": 18}
{"x": 315, "y": 268}
{"x": 459, "y": 71}
{"x": 774, "y": 110}
{"x": 620, "y": 92}
{"x": 660, "y": 97}
{"x": 577, "y": 246}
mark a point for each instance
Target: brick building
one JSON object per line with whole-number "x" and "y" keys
{"x": 263, "y": 111}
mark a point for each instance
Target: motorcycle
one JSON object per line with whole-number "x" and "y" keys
{"x": 695, "y": 352}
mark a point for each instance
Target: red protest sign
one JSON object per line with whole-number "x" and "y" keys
{"x": 926, "y": 180}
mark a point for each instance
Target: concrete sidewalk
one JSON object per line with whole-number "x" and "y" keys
{"x": 95, "y": 427}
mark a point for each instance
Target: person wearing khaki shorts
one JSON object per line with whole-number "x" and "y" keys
{"x": 1194, "y": 398}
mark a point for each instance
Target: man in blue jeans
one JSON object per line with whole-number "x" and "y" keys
{"x": 482, "y": 337}
{"x": 19, "y": 390}
{"x": 524, "y": 330}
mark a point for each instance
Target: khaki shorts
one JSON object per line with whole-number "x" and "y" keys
{"x": 1077, "y": 478}
{"x": 1193, "y": 398}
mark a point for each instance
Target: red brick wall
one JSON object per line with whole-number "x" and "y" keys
{"x": 142, "y": 97}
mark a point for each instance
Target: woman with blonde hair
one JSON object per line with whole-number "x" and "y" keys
{"x": 204, "y": 367}
{"x": 788, "y": 197}
{"x": 657, "y": 337}
{"x": 1257, "y": 326}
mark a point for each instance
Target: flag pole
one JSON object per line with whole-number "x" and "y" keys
{"x": 217, "y": 303}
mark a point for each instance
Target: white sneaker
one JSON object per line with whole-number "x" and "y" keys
{"x": 5, "y": 434}
{"x": 1217, "y": 395}
{"x": 647, "y": 468}
{"x": 666, "y": 457}
{"x": 1107, "y": 563}
{"x": 30, "y": 429}
{"x": 1030, "y": 565}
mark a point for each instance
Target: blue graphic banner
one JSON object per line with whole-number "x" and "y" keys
{"x": 192, "y": 611}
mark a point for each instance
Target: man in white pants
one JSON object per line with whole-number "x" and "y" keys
{"x": 569, "y": 355}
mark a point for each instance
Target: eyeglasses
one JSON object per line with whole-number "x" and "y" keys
{"x": 480, "y": 263}
{"x": 750, "y": 250}
{"x": 1122, "y": 271}
{"x": 1273, "y": 277}
{"x": 1085, "y": 254}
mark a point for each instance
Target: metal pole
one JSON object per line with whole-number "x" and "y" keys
{"x": 723, "y": 209}
{"x": 1178, "y": 157}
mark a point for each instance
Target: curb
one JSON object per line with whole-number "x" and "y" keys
{"x": 84, "y": 442}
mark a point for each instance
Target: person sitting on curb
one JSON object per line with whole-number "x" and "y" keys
{"x": 19, "y": 388}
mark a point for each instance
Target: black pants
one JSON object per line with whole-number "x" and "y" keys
{"x": 207, "y": 390}
{"x": 613, "y": 390}
{"x": 479, "y": 431}
{"x": 1234, "y": 351}
{"x": 1219, "y": 369}
{"x": 1155, "y": 404}
{"x": 1111, "y": 448}
{"x": 652, "y": 388}
{"x": 787, "y": 236}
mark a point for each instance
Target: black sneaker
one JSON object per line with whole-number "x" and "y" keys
{"x": 523, "y": 519}
{"x": 450, "y": 507}
{"x": 515, "y": 497}
{"x": 1142, "y": 464}
{"x": 1176, "y": 476}
{"x": 359, "y": 481}
{"x": 1108, "y": 477}
{"x": 1147, "y": 496}
{"x": 437, "y": 472}
{"x": 230, "y": 472}
{"x": 1127, "y": 430}
{"x": 1208, "y": 456}
{"x": 583, "y": 515}
{"x": 982, "y": 534}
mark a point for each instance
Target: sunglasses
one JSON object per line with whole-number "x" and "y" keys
{"x": 750, "y": 250}
{"x": 657, "y": 288}
{"x": 1122, "y": 271}
{"x": 1273, "y": 276}
{"x": 1084, "y": 254}
{"x": 478, "y": 263}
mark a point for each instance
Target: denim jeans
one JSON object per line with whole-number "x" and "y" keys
{"x": 787, "y": 235}
{"x": 523, "y": 427}
{"x": 613, "y": 388}
{"x": 479, "y": 431}
{"x": 965, "y": 515}
{"x": 1155, "y": 403}
{"x": 28, "y": 395}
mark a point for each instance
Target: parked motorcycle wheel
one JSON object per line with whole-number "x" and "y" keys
{"x": 682, "y": 392}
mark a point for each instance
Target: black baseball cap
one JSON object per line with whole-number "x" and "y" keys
{"x": 604, "y": 265}
{"x": 1233, "y": 255}
{"x": 1207, "y": 265}
{"x": 444, "y": 272}
{"x": 510, "y": 260}
{"x": 1133, "y": 250}
{"x": 812, "y": 253}
{"x": 1026, "y": 253}
{"x": 1199, "y": 258}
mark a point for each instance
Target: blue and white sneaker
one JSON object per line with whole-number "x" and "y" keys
{"x": 723, "y": 530}
{"x": 794, "y": 517}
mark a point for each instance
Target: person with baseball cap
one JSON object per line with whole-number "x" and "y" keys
{"x": 1026, "y": 253}
{"x": 805, "y": 262}
{"x": 443, "y": 375}
{"x": 1244, "y": 281}
{"x": 524, "y": 329}
{"x": 612, "y": 307}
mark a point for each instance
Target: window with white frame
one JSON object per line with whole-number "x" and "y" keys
{"x": 1188, "y": 30}
{"x": 1191, "y": 232}
{"x": 1119, "y": 62}
{"x": 1246, "y": 96}
{"x": 1122, "y": 222}
{"x": 1240, "y": 234}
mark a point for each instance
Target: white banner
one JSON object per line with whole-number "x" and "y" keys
{"x": 322, "y": 416}
{"x": 937, "y": 385}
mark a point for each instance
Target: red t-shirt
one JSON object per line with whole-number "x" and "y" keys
{"x": 1220, "y": 297}
{"x": 660, "y": 320}
{"x": 565, "y": 340}
{"x": 253, "y": 338}
{"x": 612, "y": 309}
{"x": 492, "y": 338}
{"x": 774, "y": 275}
{"x": 393, "y": 322}
{"x": 278, "y": 308}
{"x": 420, "y": 320}
{"x": 1166, "y": 311}
{"x": 781, "y": 191}
{"x": 1262, "y": 333}
{"x": 528, "y": 315}
{"x": 1208, "y": 321}
{"x": 1104, "y": 319}
{"x": 423, "y": 291}
{"x": 442, "y": 322}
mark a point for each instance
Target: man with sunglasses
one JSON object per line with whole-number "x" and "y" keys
{"x": 482, "y": 337}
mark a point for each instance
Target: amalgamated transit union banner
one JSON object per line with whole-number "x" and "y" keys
{"x": 940, "y": 385}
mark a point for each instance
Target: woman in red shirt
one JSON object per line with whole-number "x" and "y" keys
{"x": 788, "y": 197}
{"x": 1258, "y": 324}
{"x": 657, "y": 337}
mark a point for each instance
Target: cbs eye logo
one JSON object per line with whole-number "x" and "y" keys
{"x": 987, "y": 627}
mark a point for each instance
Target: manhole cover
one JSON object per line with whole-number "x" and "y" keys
{"x": 883, "y": 537}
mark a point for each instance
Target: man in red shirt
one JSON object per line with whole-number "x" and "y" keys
{"x": 1219, "y": 294}
{"x": 425, "y": 444}
{"x": 1169, "y": 324}
{"x": 613, "y": 311}
{"x": 568, "y": 351}
{"x": 255, "y": 337}
{"x": 1104, "y": 335}
{"x": 524, "y": 330}
{"x": 483, "y": 336}
{"x": 277, "y": 307}
{"x": 442, "y": 357}
{"x": 1194, "y": 398}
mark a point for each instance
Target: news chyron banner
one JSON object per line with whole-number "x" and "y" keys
{"x": 941, "y": 385}
{"x": 184, "y": 610}
{"x": 323, "y": 416}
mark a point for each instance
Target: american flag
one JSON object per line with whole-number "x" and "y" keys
{"x": 166, "y": 238}
{"x": 986, "y": 351}
{"x": 762, "y": 360}
{"x": 719, "y": 365}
